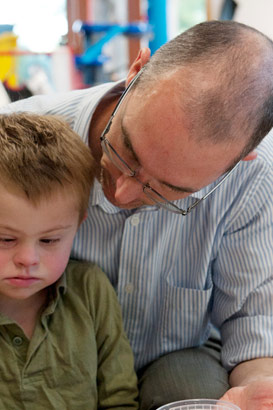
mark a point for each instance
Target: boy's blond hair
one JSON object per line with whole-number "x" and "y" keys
{"x": 40, "y": 154}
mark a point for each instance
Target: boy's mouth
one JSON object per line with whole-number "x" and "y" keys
{"x": 22, "y": 281}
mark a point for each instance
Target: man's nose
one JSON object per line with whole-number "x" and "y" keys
{"x": 128, "y": 189}
{"x": 26, "y": 255}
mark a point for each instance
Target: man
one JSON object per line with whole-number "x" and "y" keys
{"x": 181, "y": 211}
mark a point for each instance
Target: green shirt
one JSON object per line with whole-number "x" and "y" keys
{"x": 78, "y": 357}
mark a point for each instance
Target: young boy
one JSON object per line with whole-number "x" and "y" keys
{"x": 62, "y": 342}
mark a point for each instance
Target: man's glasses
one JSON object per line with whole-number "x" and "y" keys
{"x": 119, "y": 162}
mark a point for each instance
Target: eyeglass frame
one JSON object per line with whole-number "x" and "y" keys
{"x": 132, "y": 173}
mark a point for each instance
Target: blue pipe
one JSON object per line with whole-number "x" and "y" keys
{"x": 157, "y": 17}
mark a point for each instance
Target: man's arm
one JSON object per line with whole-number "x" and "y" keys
{"x": 252, "y": 385}
{"x": 251, "y": 371}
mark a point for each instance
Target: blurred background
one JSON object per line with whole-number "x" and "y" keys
{"x": 49, "y": 46}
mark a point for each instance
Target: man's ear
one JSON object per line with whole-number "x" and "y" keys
{"x": 252, "y": 155}
{"x": 83, "y": 218}
{"x": 142, "y": 58}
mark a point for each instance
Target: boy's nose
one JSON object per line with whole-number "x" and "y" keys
{"x": 26, "y": 256}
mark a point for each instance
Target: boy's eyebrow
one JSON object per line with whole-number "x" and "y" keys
{"x": 128, "y": 145}
{"x": 56, "y": 228}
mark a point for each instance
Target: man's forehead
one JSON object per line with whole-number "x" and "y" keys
{"x": 172, "y": 157}
{"x": 130, "y": 147}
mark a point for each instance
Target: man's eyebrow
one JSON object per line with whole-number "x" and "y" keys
{"x": 127, "y": 142}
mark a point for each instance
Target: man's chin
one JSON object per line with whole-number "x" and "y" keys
{"x": 130, "y": 205}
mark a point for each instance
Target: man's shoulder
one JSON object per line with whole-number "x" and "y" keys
{"x": 54, "y": 102}
{"x": 265, "y": 150}
{"x": 260, "y": 169}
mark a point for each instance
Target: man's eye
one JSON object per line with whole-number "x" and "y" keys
{"x": 131, "y": 160}
{"x": 48, "y": 241}
{"x": 129, "y": 152}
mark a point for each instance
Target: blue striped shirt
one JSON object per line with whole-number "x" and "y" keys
{"x": 175, "y": 276}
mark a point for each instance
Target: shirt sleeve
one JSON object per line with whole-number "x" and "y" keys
{"x": 243, "y": 278}
{"x": 39, "y": 104}
{"x": 116, "y": 378}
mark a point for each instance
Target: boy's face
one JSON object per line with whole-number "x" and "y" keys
{"x": 35, "y": 241}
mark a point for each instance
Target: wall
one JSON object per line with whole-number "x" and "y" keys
{"x": 257, "y": 14}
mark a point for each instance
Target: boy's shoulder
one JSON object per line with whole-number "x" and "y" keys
{"x": 85, "y": 275}
{"x": 86, "y": 286}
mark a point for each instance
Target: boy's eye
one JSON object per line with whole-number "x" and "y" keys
{"x": 50, "y": 241}
{"x": 6, "y": 242}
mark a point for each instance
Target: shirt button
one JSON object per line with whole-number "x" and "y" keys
{"x": 129, "y": 288}
{"x": 135, "y": 220}
{"x": 17, "y": 341}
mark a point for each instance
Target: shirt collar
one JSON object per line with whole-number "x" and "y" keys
{"x": 54, "y": 294}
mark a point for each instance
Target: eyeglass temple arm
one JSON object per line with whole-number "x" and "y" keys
{"x": 125, "y": 92}
{"x": 191, "y": 207}
{"x": 106, "y": 129}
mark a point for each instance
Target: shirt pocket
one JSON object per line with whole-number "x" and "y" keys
{"x": 185, "y": 316}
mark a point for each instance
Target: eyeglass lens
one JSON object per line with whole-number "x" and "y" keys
{"x": 125, "y": 169}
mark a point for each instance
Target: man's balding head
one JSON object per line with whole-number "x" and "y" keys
{"x": 224, "y": 73}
